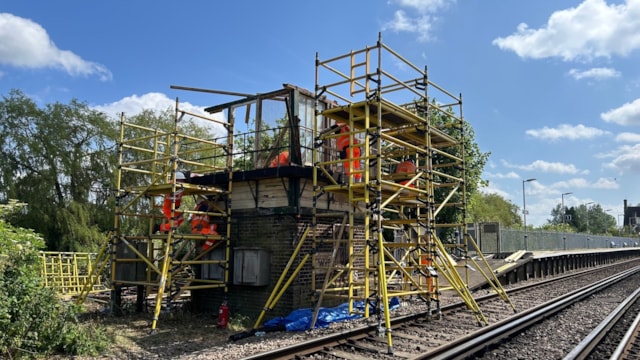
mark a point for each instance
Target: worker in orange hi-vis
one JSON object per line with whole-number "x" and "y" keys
{"x": 406, "y": 167}
{"x": 201, "y": 223}
{"x": 176, "y": 198}
{"x": 281, "y": 160}
{"x": 347, "y": 153}
{"x": 166, "y": 210}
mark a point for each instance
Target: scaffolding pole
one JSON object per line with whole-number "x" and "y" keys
{"x": 388, "y": 121}
{"x": 150, "y": 251}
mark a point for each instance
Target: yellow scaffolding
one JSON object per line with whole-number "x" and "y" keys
{"x": 151, "y": 252}
{"x": 69, "y": 272}
{"x": 409, "y": 204}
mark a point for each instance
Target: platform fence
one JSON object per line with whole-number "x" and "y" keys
{"x": 492, "y": 238}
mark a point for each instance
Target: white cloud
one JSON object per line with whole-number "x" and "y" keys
{"x": 627, "y": 114}
{"x": 421, "y": 23}
{"x": 400, "y": 22}
{"x": 593, "y": 29}
{"x": 546, "y": 167}
{"x": 493, "y": 190}
{"x": 565, "y": 131}
{"x": 606, "y": 183}
{"x": 611, "y": 153}
{"x": 509, "y": 175}
{"x": 594, "y": 73}
{"x": 625, "y": 159}
{"x": 24, "y": 43}
{"x": 628, "y": 137}
{"x": 134, "y": 104}
{"x": 424, "y": 6}
{"x": 568, "y": 185}
{"x": 578, "y": 183}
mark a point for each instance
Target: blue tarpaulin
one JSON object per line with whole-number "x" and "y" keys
{"x": 300, "y": 319}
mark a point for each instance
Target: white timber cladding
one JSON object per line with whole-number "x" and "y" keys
{"x": 272, "y": 193}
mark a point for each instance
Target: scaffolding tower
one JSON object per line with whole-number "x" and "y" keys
{"x": 152, "y": 250}
{"x": 388, "y": 121}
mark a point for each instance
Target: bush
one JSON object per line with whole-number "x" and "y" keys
{"x": 34, "y": 321}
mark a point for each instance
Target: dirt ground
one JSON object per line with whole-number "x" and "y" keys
{"x": 177, "y": 334}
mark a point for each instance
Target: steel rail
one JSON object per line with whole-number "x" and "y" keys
{"x": 498, "y": 332}
{"x": 586, "y": 346}
{"x": 344, "y": 337}
{"x": 627, "y": 341}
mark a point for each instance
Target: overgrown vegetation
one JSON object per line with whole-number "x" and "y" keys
{"x": 61, "y": 160}
{"x": 493, "y": 208}
{"x": 33, "y": 321}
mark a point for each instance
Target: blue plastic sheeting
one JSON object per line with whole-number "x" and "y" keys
{"x": 300, "y": 320}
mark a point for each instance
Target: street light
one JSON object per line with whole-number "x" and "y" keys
{"x": 564, "y": 214}
{"x": 587, "y": 206}
{"x": 524, "y": 211}
{"x": 618, "y": 224}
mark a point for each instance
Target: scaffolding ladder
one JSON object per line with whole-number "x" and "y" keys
{"x": 153, "y": 253}
{"x": 418, "y": 204}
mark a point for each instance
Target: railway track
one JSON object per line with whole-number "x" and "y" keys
{"x": 583, "y": 317}
{"x": 616, "y": 337}
{"x": 629, "y": 345}
{"x": 417, "y": 335}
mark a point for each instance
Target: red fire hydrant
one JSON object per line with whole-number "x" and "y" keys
{"x": 223, "y": 315}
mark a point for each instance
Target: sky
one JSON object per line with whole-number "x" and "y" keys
{"x": 550, "y": 87}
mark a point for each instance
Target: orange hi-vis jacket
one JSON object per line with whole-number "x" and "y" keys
{"x": 348, "y": 153}
{"x": 166, "y": 210}
{"x": 281, "y": 160}
{"x": 201, "y": 224}
{"x": 406, "y": 167}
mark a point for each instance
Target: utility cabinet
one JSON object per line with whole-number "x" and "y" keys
{"x": 214, "y": 271}
{"x": 133, "y": 270}
{"x": 251, "y": 266}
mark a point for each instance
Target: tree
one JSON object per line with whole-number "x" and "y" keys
{"x": 32, "y": 318}
{"x": 474, "y": 160}
{"x": 261, "y": 145}
{"x": 61, "y": 159}
{"x": 493, "y": 208}
{"x": 583, "y": 219}
{"x": 151, "y": 135}
{"x": 58, "y": 159}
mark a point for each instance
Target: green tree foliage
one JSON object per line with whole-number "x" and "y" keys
{"x": 151, "y": 138}
{"x": 61, "y": 159}
{"x": 32, "y": 318}
{"x": 244, "y": 145}
{"x": 474, "y": 159}
{"x": 582, "y": 219}
{"x": 493, "y": 208}
{"x": 156, "y": 131}
{"x": 58, "y": 159}
{"x": 256, "y": 148}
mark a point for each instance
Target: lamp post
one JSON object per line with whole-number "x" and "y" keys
{"x": 618, "y": 223}
{"x": 564, "y": 214}
{"x": 587, "y": 206}
{"x": 524, "y": 211}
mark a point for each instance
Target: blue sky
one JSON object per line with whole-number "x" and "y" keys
{"x": 551, "y": 87}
